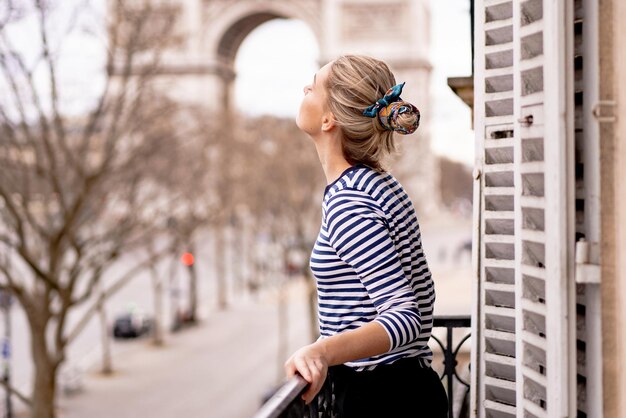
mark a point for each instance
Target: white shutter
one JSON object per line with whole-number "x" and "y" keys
{"x": 524, "y": 107}
{"x": 493, "y": 373}
{"x": 544, "y": 212}
{"x": 530, "y": 274}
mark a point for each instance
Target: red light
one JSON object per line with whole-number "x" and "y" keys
{"x": 187, "y": 259}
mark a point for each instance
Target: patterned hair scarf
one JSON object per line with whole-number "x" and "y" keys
{"x": 390, "y": 107}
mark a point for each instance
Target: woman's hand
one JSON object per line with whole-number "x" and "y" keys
{"x": 311, "y": 363}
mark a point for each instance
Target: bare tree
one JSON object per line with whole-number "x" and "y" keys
{"x": 77, "y": 191}
{"x": 196, "y": 204}
{"x": 225, "y": 155}
{"x": 282, "y": 188}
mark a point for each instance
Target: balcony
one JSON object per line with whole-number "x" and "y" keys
{"x": 286, "y": 401}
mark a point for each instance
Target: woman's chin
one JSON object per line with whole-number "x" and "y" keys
{"x": 299, "y": 125}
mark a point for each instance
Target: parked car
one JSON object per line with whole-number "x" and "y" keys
{"x": 132, "y": 325}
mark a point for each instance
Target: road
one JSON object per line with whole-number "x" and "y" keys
{"x": 220, "y": 369}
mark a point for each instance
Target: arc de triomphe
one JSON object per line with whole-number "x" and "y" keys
{"x": 396, "y": 31}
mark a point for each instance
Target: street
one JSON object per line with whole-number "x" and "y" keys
{"x": 220, "y": 369}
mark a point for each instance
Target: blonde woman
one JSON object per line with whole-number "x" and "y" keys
{"x": 375, "y": 290}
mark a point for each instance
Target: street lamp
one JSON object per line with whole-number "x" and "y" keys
{"x": 5, "y": 304}
{"x": 189, "y": 315}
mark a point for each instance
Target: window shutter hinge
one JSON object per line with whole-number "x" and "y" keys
{"x": 586, "y": 271}
{"x": 596, "y": 111}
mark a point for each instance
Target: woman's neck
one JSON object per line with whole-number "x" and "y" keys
{"x": 331, "y": 156}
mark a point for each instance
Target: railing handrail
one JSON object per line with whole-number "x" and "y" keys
{"x": 295, "y": 386}
{"x": 284, "y": 396}
{"x": 454, "y": 321}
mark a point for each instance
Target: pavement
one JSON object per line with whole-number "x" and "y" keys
{"x": 221, "y": 368}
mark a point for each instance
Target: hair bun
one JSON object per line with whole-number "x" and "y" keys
{"x": 401, "y": 117}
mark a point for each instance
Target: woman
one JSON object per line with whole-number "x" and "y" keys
{"x": 375, "y": 291}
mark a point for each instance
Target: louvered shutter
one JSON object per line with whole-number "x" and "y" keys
{"x": 544, "y": 211}
{"x": 494, "y": 342}
{"x": 525, "y": 337}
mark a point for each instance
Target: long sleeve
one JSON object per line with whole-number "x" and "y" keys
{"x": 358, "y": 232}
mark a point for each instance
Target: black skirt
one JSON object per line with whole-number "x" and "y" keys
{"x": 403, "y": 389}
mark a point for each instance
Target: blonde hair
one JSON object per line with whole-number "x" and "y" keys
{"x": 355, "y": 82}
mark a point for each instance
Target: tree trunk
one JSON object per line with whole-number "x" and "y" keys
{"x": 311, "y": 291}
{"x": 220, "y": 267}
{"x": 239, "y": 259}
{"x": 252, "y": 260}
{"x": 44, "y": 385}
{"x": 157, "y": 288}
{"x": 193, "y": 289}
{"x": 283, "y": 325}
{"x": 246, "y": 256}
{"x": 107, "y": 361}
{"x": 312, "y": 299}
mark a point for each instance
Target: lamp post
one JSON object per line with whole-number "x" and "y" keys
{"x": 189, "y": 261}
{"x": 5, "y": 305}
{"x": 174, "y": 290}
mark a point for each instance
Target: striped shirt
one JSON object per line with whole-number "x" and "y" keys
{"x": 369, "y": 265}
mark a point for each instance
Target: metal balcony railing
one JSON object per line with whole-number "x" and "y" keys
{"x": 286, "y": 402}
{"x": 286, "y": 398}
{"x": 450, "y": 353}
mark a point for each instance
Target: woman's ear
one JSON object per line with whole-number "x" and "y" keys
{"x": 328, "y": 122}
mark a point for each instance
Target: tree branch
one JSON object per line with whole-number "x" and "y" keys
{"x": 12, "y": 286}
{"x": 19, "y": 222}
{"x": 56, "y": 115}
{"x": 17, "y": 96}
{"x": 26, "y": 400}
{"x": 117, "y": 286}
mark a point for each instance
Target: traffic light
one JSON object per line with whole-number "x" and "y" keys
{"x": 187, "y": 259}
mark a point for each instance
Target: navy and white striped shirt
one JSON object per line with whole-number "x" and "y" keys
{"x": 369, "y": 265}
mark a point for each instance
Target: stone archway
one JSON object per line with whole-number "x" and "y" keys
{"x": 396, "y": 31}
{"x": 235, "y": 22}
{"x": 201, "y": 71}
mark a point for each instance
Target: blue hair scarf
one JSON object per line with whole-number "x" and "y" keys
{"x": 390, "y": 107}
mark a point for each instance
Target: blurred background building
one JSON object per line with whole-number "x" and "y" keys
{"x": 202, "y": 65}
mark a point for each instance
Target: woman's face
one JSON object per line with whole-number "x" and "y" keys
{"x": 314, "y": 104}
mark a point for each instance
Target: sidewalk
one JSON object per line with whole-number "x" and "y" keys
{"x": 221, "y": 369}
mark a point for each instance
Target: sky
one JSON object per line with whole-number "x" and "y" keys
{"x": 279, "y": 57}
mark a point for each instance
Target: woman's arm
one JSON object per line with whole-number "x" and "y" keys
{"x": 357, "y": 232}
{"x": 312, "y": 361}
